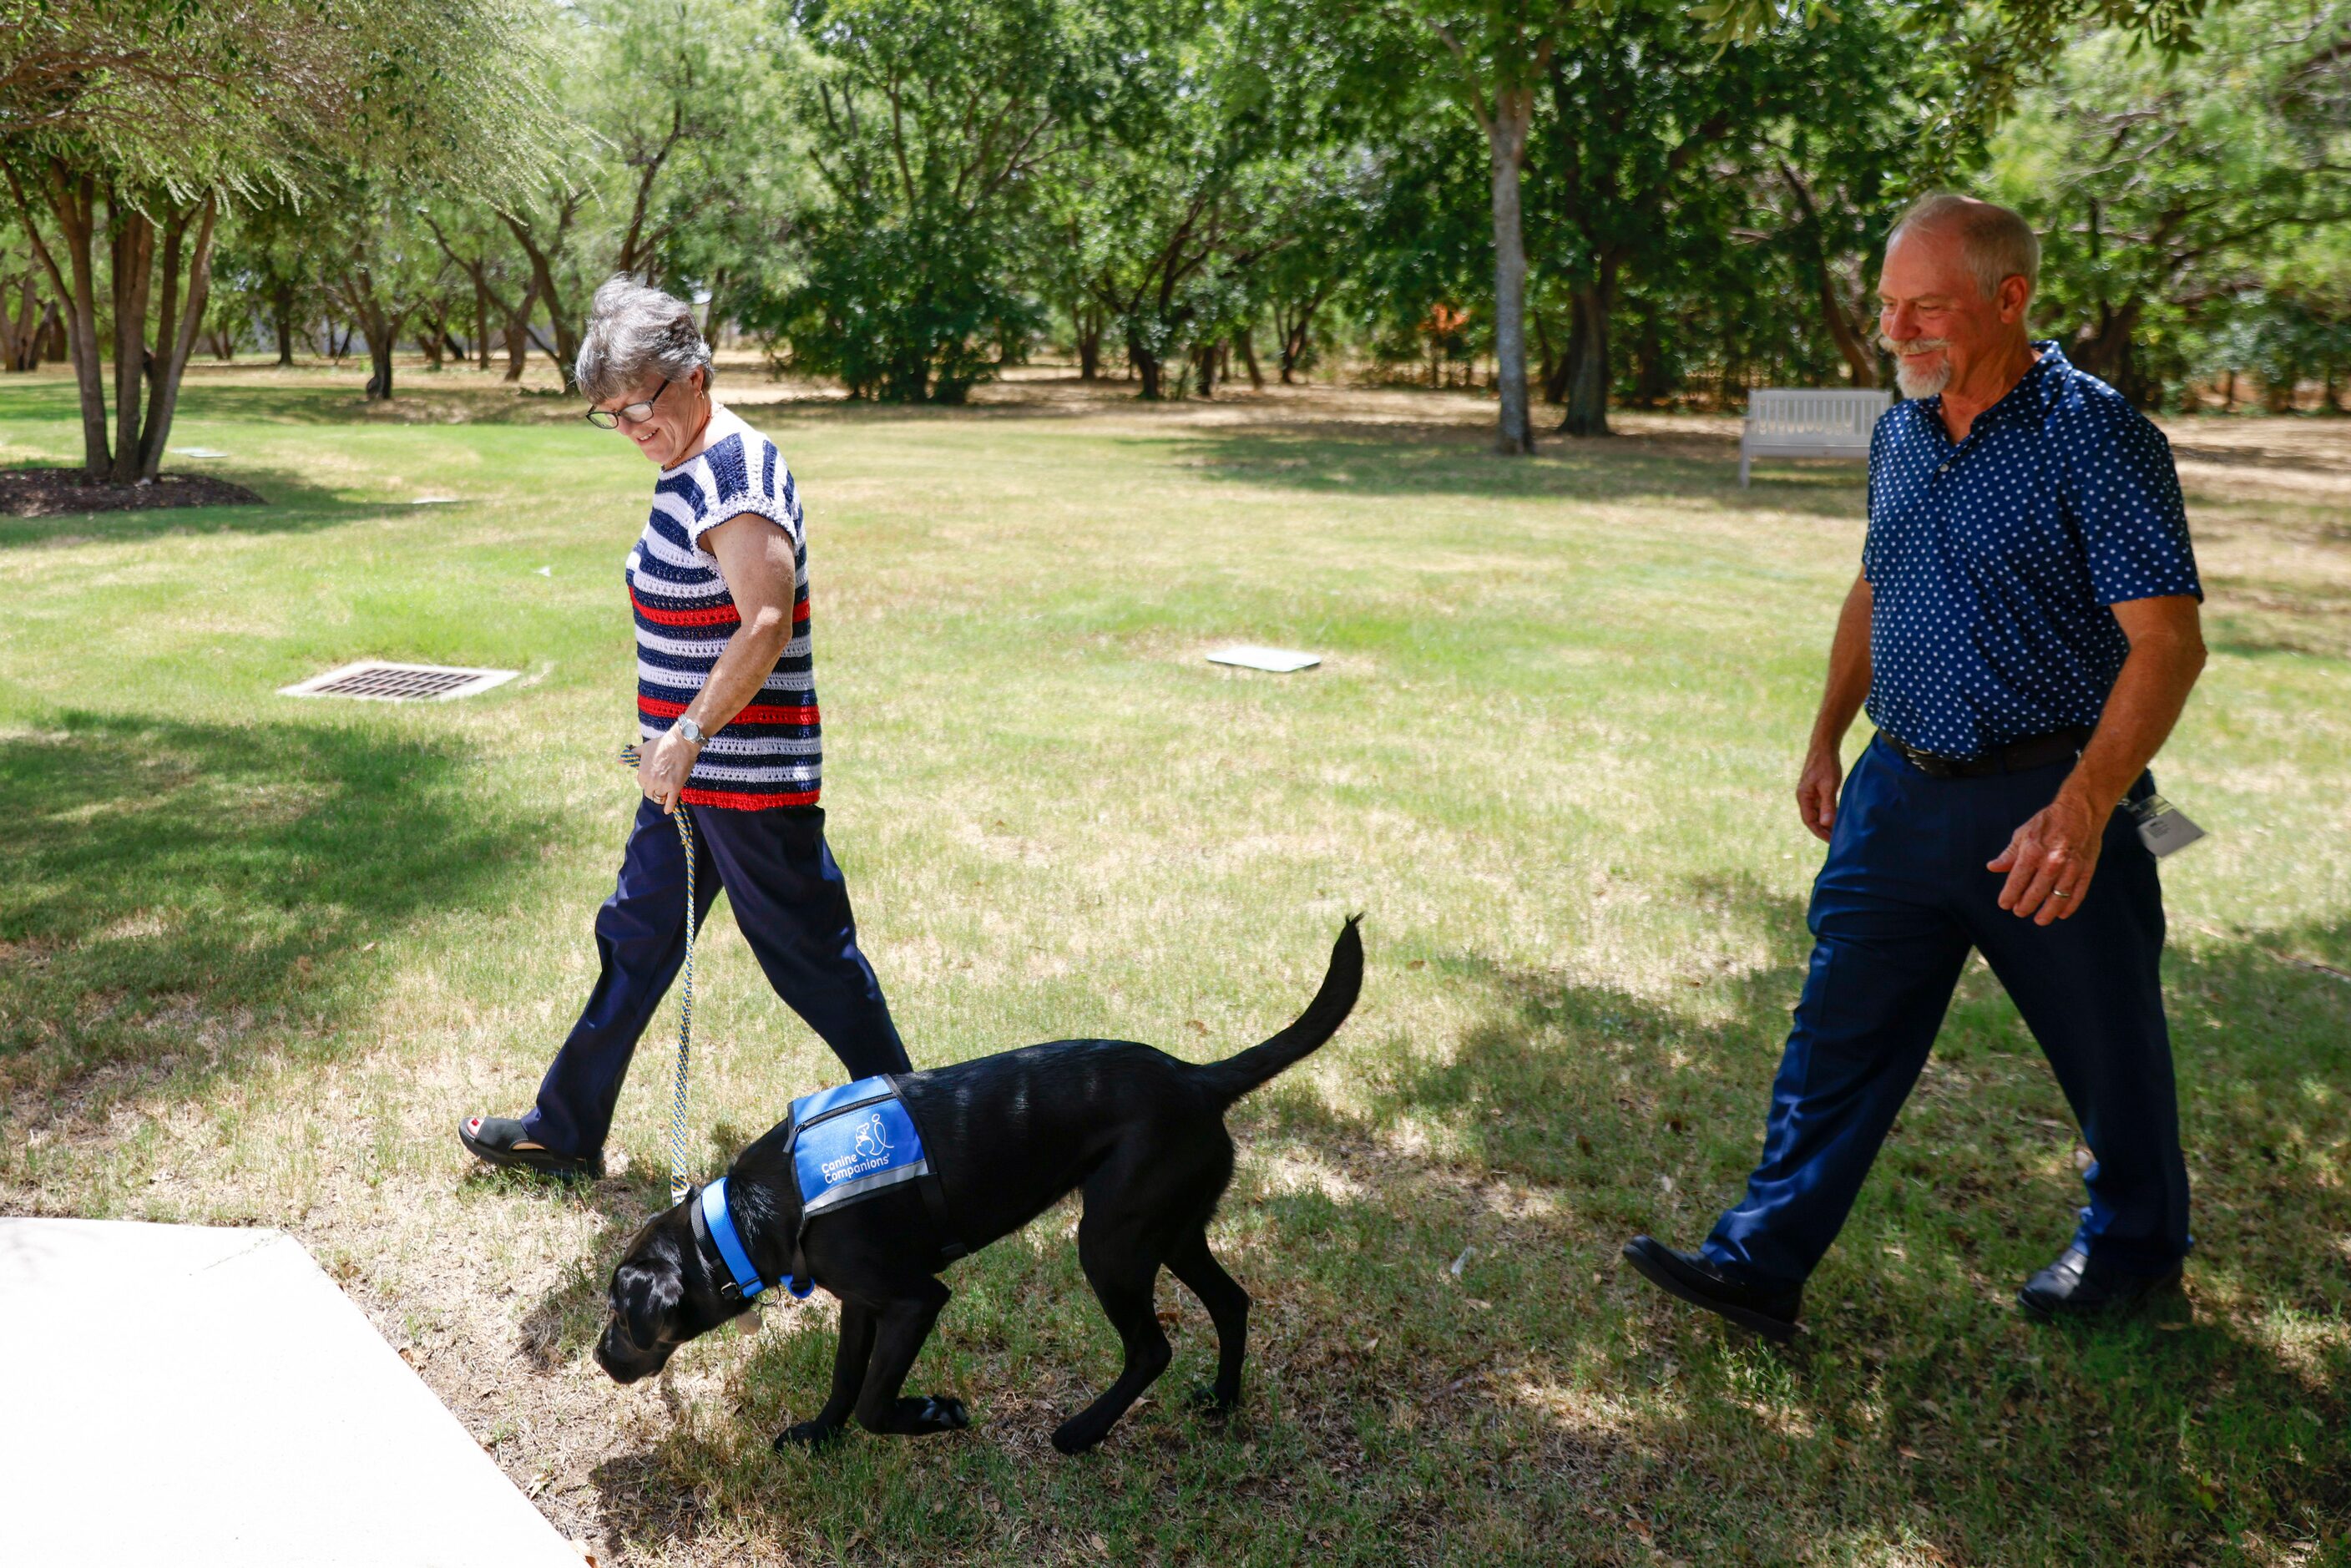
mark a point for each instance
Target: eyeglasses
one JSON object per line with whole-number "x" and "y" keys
{"x": 634, "y": 413}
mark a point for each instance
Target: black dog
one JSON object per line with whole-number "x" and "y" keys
{"x": 1141, "y": 1131}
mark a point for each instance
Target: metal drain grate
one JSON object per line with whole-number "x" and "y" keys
{"x": 375, "y": 680}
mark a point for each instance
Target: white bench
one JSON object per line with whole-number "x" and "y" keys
{"x": 1782, "y": 422}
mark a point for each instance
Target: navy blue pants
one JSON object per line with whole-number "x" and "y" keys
{"x": 1903, "y": 898}
{"x": 791, "y": 905}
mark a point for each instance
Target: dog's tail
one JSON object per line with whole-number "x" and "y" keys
{"x": 1237, "y": 1075}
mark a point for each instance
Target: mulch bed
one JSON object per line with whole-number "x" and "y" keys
{"x": 59, "y": 492}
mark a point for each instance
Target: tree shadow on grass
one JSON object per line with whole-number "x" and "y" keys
{"x": 1387, "y": 462}
{"x": 1921, "y": 1401}
{"x": 176, "y": 898}
{"x": 1447, "y": 1362}
{"x": 294, "y": 505}
{"x": 419, "y": 398}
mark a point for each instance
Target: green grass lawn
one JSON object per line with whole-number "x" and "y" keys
{"x": 258, "y": 955}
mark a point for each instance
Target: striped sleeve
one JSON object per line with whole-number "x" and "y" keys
{"x": 743, "y": 471}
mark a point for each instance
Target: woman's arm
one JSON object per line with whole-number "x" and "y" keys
{"x": 755, "y": 557}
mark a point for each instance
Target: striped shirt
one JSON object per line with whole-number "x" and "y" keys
{"x": 769, "y": 756}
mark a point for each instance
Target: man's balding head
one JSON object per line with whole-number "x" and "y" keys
{"x": 1993, "y": 243}
{"x": 1958, "y": 277}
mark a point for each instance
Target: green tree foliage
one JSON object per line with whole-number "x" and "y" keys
{"x": 1496, "y": 53}
{"x": 128, "y": 126}
{"x": 1666, "y": 160}
{"x": 265, "y": 269}
{"x": 669, "y": 115}
{"x": 2164, "y": 188}
{"x": 938, "y": 129}
{"x": 1185, "y": 221}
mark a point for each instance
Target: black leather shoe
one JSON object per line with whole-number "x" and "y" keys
{"x": 501, "y": 1141}
{"x": 2076, "y": 1287}
{"x": 1771, "y": 1313}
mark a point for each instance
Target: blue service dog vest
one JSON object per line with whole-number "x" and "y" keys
{"x": 854, "y": 1143}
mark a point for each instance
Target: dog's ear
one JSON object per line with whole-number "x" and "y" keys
{"x": 643, "y": 1293}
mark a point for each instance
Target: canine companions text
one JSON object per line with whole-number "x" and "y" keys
{"x": 1140, "y": 1133}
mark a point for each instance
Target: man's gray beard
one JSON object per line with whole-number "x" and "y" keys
{"x": 1921, "y": 384}
{"x": 1918, "y": 383}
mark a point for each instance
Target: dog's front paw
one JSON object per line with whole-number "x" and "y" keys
{"x": 808, "y": 1435}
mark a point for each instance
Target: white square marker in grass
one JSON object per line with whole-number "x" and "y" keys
{"x": 1276, "y": 661}
{"x": 197, "y": 452}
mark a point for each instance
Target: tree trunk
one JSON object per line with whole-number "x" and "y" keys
{"x": 382, "y": 333}
{"x": 1243, "y": 341}
{"x": 55, "y": 345}
{"x": 281, "y": 317}
{"x": 131, "y": 249}
{"x": 2102, "y": 350}
{"x": 1652, "y": 383}
{"x": 73, "y": 202}
{"x": 1505, "y": 137}
{"x": 565, "y": 350}
{"x": 1147, "y": 368}
{"x": 1860, "y": 355}
{"x": 1087, "y": 321}
{"x": 518, "y": 336}
{"x": 20, "y": 336}
{"x": 1203, "y": 368}
{"x": 1547, "y": 362}
{"x": 176, "y": 343}
{"x": 1587, "y": 367}
{"x": 481, "y": 321}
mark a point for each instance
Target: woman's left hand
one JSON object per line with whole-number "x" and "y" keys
{"x": 662, "y": 774}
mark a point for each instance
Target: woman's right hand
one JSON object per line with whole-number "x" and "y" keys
{"x": 666, "y": 768}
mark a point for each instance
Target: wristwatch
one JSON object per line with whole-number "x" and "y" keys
{"x": 692, "y": 731}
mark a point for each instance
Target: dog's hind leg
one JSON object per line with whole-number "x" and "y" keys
{"x": 1121, "y": 1271}
{"x": 906, "y": 1324}
{"x": 1227, "y": 1304}
{"x": 849, "y": 1358}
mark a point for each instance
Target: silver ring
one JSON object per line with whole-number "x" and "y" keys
{"x": 2061, "y": 893}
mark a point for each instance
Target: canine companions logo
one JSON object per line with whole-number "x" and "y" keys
{"x": 873, "y": 1151}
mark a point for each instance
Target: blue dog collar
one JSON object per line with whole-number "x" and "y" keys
{"x": 721, "y": 1226}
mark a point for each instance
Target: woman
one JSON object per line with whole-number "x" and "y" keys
{"x": 726, "y": 711}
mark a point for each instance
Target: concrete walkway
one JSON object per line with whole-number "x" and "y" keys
{"x": 183, "y": 1394}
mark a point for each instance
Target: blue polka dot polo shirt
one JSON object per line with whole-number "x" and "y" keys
{"x": 1993, "y": 561}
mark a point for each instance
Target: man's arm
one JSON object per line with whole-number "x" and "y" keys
{"x": 2051, "y": 858}
{"x": 1848, "y": 688}
{"x": 755, "y": 557}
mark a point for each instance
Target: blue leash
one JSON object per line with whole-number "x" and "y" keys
{"x": 678, "y": 1182}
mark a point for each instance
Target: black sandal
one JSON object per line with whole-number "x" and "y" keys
{"x": 502, "y": 1140}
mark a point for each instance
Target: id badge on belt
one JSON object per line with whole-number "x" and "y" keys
{"x": 2163, "y": 827}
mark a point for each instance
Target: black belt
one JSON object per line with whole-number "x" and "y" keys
{"x": 2016, "y": 757}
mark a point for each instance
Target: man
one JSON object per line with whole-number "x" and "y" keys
{"x": 726, "y": 709}
{"x": 2025, "y": 632}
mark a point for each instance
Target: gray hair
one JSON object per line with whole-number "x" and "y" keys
{"x": 1995, "y": 243}
{"x": 633, "y": 327}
